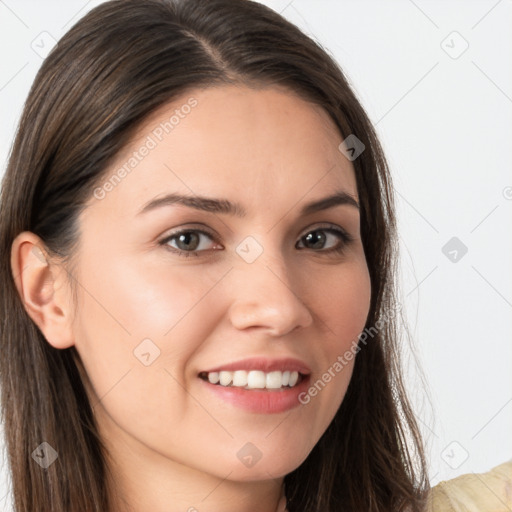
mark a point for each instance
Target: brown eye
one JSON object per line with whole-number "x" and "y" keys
{"x": 319, "y": 238}
{"x": 187, "y": 242}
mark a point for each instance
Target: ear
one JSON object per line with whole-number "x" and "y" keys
{"x": 43, "y": 288}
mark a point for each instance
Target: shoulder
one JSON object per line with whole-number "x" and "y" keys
{"x": 484, "y": 492}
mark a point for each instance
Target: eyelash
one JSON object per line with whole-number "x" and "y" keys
{"x": 346, "y": 239}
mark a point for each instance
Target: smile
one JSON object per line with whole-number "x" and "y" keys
{"x": 254, "y": 379}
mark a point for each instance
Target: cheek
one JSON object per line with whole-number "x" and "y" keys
{"x": 138, "y": 325}
{"x": 342, "y": 309}
{"x": 136, "y": 335}
{"x": 132, "y": 300}
{"x": 343, "y": 303}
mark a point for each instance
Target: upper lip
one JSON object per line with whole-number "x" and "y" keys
{"x": 264, "y": 364}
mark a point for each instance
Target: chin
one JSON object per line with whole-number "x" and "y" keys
{"x": 268, "y": 469}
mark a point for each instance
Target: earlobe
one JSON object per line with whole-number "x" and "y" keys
{"x": 41, "y": 285}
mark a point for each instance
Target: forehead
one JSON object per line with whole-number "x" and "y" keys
{"x": 249, "y": 144}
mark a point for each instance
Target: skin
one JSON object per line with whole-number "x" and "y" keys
{"x": 173, "y": 445}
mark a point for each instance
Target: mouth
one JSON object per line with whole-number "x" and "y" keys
{"x": 258, "y": 385}
{"x": 254, "y": 379}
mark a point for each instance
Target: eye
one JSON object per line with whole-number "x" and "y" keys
{"x": 318, "y": 238}
{"x": 188, "y": 242}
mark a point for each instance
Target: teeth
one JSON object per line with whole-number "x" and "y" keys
{"x": 254, "y": 379}
{"x": 274, "y": 380}
{"x": 239, "y": 378}
{"x": 225, "y": 378}
{"x": 213, "y": 377}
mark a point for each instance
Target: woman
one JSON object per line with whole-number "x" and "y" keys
{"x": 199, "y": 242}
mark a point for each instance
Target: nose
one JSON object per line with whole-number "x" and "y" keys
{"x": 265, "y": 298}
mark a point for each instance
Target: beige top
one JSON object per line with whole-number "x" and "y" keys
{"x": 475, "y": 492}
{"x": 471, "y": 492}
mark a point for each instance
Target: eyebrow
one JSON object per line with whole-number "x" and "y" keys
{"x": 210, "y": 204}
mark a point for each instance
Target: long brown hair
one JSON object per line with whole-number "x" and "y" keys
{"x": 114, "y": 67}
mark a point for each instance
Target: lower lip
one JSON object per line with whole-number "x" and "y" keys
{"x": 260, "y": 400}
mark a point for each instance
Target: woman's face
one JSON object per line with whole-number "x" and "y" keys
{"x": 268, "y": 280}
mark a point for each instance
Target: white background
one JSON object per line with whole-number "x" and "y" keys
{"x": 444, "y": 118}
